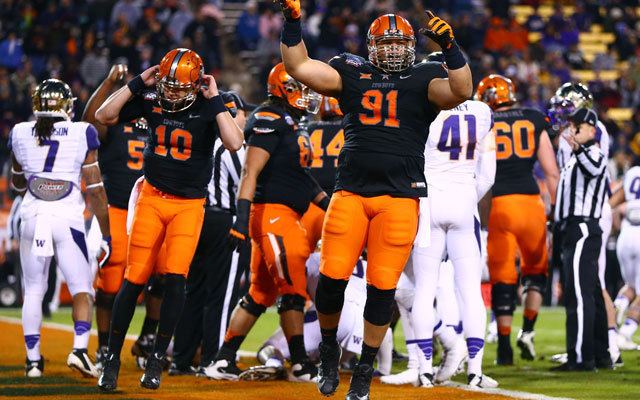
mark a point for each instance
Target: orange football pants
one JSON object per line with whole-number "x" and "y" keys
{"x": 163, "y": 218}
{"x": 279, "y": 252}
{"x": 312, "y": 221}
{"x": 111, "y": 275}
{"x": 516, "y": 221}
{"x": 386, "y": 225}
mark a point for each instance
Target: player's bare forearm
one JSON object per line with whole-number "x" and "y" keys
{"x": 99, "y": 205}
{"x": 109, "y": 111}
{"x": 254, "y": 163}
{"x": 448, "y": 93}
{"x": 617, "y": 198}
{"x": 319, "y": 76}
{"x": 547, "y": 160}
{"x": 18, "y": 181}
{"x": 461, "y": 83}
{"x": 230, "y": 133}
{"x": 247, "y": 186}
{"x": 95, "y": 101}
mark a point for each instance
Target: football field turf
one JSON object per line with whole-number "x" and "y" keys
{"x": 532, "y": 377}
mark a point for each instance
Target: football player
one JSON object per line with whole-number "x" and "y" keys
{"x": 521, "y": 140}
{"x": 274, "y": 192}
{"x": 49, "y": 156}
{"x": 388, "y": 102}
{"x": 185, "y": 114}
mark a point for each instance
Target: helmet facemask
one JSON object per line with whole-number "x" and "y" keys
{"x": 301, "y": 96}
{"x": 392, "y": 52}
{"x": 175, "y": 96}
{"x": 559, "y": 112}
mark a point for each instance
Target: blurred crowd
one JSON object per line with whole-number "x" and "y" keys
{"x": 77, "y": 41}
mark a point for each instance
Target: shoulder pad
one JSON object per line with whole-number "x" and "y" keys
{"x": 150, "y": 95}
{"x": 347, "y": 59}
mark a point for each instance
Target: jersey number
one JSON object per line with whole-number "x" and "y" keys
{"x": 450, "y": 137}
{"x": 51, "y": 154}
{"x": 135, "y": 154}
{"x": 372, "y": 101}
{"x": 179, "y": 143}
{"x": 521, "y": 142}
{"x": 332, "y": 149}
{"x": 635, "y": 187}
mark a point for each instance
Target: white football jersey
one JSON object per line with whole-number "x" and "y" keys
{"x": 356, "y": 290}
{"x": 60, "y": 158}
{"x": 631, "y": 187}
{"x": 451, "y": 151}
{"x": 564, "y": 149}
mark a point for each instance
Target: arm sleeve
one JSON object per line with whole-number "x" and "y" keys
{"x": 486, "y": 165}
{"x": 230, "y": 103}
{"x": 132, "y": 109}
{"x": 264, "y": 134}
{"x": 590, "y": 160}
{"x": 93, "y": 142}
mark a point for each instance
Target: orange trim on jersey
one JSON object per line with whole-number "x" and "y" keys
{"x": 267, "y": 115}
{"x": 128, "y": 129}
{"x": 157, "y": 110}
{"x": 231, "y": 104}
{"x": 365, "y": 76}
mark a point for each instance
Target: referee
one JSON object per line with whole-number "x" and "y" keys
{"x": 580, "y": 197}
{"x": 214, "y": 272}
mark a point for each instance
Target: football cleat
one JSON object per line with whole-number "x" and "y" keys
{"x": 174, "y": 370}
{"x": 451, "y": 361}
{"x": 152, "y": 372}
{"x": 406, "y": 377}
{"x": 34, "y": 369}
{"x": 625, "y": 343}
{"x": 108, "y": 380}
{"x": 360, "y": 383}
{"x": 560, "y": 358}
{"x": 426, "y": 380}
{"x": 304, "y": 372}
{"x": 481, "y": 381}
{"x": 263, "y": 373}
{"x": 525, "y": 343}
{"x": 79, "y": 360}
{"x": 223, "y": 370}
{"x": 621, "y": 310}
{"x": 618, "y": 362}
{"x": 101, "y": 355}
{"x": 328, "y": 378}
{"x": 492, "y": 332}
{"x": 142, "y": 348}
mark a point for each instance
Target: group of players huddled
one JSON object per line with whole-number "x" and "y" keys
{"x": 404, "y": 181}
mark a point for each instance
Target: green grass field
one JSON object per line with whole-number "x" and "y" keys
{"x": 533, "y": 377}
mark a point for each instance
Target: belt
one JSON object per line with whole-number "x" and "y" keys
{"x": 219, "y": 209}
{"x": 575, "y": 218}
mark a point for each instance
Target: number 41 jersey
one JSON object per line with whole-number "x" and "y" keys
{"x": 518, "y": 133}
{"x": 451, "y": 151}
{"x": 386, "y": 121}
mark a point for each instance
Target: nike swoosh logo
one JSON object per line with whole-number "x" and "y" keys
{"x": 273, "y": 220}
{"x": 193, "y": 116}
{"x": 405, "y": 77}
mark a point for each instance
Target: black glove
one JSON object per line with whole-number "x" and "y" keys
{"x": 439, "y": 31}
{"x": 239, "y": 232}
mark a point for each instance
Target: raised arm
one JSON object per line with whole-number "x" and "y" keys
{"x": 230, "y": 133}
{"x": 109, "y": 111}
{"x": 448, "y": 93}
{"x": 317, "y": 75}
{"x": 547, "y": 160}
{"x": 116, "y": 74}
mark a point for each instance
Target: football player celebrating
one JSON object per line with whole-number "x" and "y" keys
{"x": 388, "y": 104}
{"x": 274, "y": 192}
{"x": 49, "y": 155}
{"x": 185, "y": 114}
{"x": 521, "y": 140}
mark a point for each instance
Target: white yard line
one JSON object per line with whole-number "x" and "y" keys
{"x": 508, "y": 393}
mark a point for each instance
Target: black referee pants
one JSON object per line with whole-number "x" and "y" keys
{"x": 210, "y": 298}
{"x": 586, "y": 324}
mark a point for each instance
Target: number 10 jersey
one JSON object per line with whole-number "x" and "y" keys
{"x": 387, "y": 116}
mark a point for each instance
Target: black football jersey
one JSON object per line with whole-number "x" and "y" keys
{"x": 120, "y": 158}
{"x": 285, "y": 178}
{"x": 178, "y": 157}
{"x": 517, "y": 139}
{"x": 327, "y": 140}
{"x": 386, "y": 123}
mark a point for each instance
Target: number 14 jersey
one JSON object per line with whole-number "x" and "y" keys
{"x": 387, "y": 116}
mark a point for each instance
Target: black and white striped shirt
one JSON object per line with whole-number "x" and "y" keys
{"x": 223, "y": 186}
{"x": 583, "y": 182}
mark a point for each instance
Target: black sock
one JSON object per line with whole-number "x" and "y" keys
{"x": 230, "y": 347}
{"x": 529, "y": 320}
{"x": 103, "y": 339}
{"x": 368, "y": 354}
{"x": 149, "y": 327}
{"x": 504, "y": 341}
{"x": 296, "y": 349}
{"x": 123, "y": 308}
{"x": 329, "y": 335}
{"x": 170, "y": 311}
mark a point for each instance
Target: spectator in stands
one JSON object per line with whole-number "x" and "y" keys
{"x": 629, "y": 92}
{"x": 95, "y": 66}
{"x": 247, "y": 30}
{"x": 128, "y": 9}
{"x": 535, "y": 23}
{"x": 179, "y": 21}
{"x": 496, "y": 36}
{"x": 557, "y": 20}
{"x": 11, "y": 53}
{"x": 581, "y": 18}
{"x": 203, "y": 32}
{"x": 574, "y": 57}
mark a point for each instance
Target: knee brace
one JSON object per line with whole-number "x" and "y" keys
{"x": 155, "y": 286}
{"x": 249, "y": 305}
{"x": 105, "y": 300}
{"x": 537, "y": 283}
{"x": 330, "y": 294}
{"x": 503, "y": 299}
{"x": 379, "y": 306}
{"x": 290, "y": 302}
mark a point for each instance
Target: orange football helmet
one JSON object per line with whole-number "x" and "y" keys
{"x": 281, "y": 84}
{"x": 329, "y": 108}
{"x": 179, "y": 78}
{"x": 496, "y": 91}
{"x": 391, "y": 43}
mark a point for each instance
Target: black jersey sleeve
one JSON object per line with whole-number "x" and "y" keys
{"x": 133, "y": 109}
{"x": 264, "y": 129}
{"x": 230, "y": 103}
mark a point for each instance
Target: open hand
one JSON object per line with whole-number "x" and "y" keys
{"x": 149, "y": 75}
{"x": 117, "y": 73}
{"x": 209, "y": 87}
{"x": 438, "y": 30}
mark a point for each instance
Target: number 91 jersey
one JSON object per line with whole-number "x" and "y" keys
{"x": 452, "y": 148}
{"x": 386, "y": 121}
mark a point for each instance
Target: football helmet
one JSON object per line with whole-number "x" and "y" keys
{"x": 53, "y": 98}
{"x": 330, "y": 108}
{"x": 179, "y": 79}
{"x": 568, "y": 98}
{"x": 281, "y": 84}
{"x": 391, "y": 43}
{"x": 496, "y": 91}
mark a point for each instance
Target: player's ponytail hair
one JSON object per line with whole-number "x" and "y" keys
{"x": 44, "y": 128}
